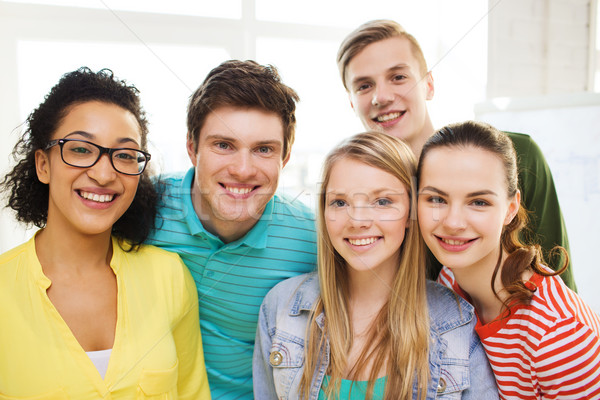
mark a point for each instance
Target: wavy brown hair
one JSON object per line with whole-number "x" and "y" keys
{"x": 521, "y": 257}
{"x": 398, "y": 341}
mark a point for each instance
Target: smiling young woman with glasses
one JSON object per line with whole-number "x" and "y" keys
{"x": 88, "y": 311}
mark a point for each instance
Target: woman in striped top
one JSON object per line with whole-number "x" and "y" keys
{"x": 542, "y": 340}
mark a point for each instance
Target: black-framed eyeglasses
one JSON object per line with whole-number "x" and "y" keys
{"x": 84, "y": 154}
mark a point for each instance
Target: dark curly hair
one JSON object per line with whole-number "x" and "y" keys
{"x": 28, "y": 197}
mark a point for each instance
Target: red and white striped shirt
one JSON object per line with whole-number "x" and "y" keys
{"x": 549, "y": 349}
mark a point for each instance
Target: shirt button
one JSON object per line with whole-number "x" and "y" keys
{"x": 441, "y": 386}
{"x": 275, "y": 358}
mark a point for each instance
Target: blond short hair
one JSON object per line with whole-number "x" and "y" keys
{"x": 372, "y": 32}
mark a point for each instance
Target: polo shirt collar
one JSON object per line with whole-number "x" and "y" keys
{"x": 257, "y": 236}
{"x": 193, "y": 222}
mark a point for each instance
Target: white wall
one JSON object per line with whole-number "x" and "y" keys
{"x": 539, "y": 47}
{"x": 540, "y": 65}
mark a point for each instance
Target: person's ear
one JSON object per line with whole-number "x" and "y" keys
{"x": 429, "y": 86}
{"x": 42, "y": 166}
{"x": 191, "y": 150}
{"x": 351, "y": 103}
{"x": 286, "y": 159}
{"x": 513, "y": 208}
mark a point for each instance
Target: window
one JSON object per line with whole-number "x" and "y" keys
{"x": 166, "y": 49}
{"x": 217, "y": 9}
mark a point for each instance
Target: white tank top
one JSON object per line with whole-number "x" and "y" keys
{"x": 100, "y": 360}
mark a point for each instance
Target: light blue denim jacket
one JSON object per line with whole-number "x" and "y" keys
{"x": 457, "y": 361}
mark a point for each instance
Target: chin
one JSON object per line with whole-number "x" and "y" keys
{"x": 241, "y": 215}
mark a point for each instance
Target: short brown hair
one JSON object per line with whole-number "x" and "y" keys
{"x": 244, "y": 84}
{"x": 372, "y": 32}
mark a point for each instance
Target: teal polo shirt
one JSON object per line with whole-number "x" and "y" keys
{"x": 233, "y": 278}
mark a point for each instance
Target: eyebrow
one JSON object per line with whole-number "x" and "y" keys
{"x": 472, "y": 194}
{"x": 388, "y": 191}
{"x": 375, "y": 192}
{"x": 269, "y": 142}
{"x": 433, "y": 189}
{"x": 395, "y": 68}
{"x": 91, "y": 136}
{"x": 482, "y": 193}
{"x": 236, "y": 139}
{"x": 399, "y": 67}
{"x": 220, "y": 137}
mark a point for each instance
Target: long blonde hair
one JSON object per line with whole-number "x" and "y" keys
{"x": 399, "y": 338}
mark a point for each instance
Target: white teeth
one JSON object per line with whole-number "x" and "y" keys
{"x": 100, "y": 198}
{"x": 237, "y": 190}
{"x": 388, "y": 117}
{"x": 454, "y": 242}
{"x": 362, "y": 242}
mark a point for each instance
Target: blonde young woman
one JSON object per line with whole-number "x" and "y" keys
{"x": 368, "y": 324}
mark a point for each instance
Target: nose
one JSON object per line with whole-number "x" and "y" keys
{"x": 103, "y": 171}
{"x": 360, "y": 216}
{"x": 243, "y": 166}
{"x": 382, "y": 95}
{"x": 454, "y": 219}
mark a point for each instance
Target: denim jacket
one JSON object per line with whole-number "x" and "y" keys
{"x": 457, "y": 363}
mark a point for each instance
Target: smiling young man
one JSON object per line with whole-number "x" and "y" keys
{"x": 223, "y": 218}
{"x": 385, "y": 74}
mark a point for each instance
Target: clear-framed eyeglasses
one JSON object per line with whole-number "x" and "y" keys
{"x": 84, "y": 154}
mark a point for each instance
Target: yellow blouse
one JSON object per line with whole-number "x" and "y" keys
{"x": 157, "y": 353}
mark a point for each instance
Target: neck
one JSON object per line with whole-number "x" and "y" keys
{"x": 368, "y": 291}
{"x": 227, "y": 231}
{"x": 416, "y": 144}
{"x": 65, "y": 249}
{"x": 476, "y": 282}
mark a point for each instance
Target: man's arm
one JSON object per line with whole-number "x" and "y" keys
{"x": 546, "y": 225}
